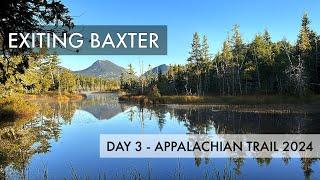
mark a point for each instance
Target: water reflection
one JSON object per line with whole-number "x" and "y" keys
{"x": 210, "y": 120}
{"x": 56, "y": 126}
{"x": 21, "y": 140}
{"x": 203, "y": 120}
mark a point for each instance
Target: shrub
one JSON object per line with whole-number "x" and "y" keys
{"x": 154, "y": 92}
{"x": 12, "y": 107}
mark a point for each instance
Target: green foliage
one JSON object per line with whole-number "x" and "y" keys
{"x": 128, "y": 79}
{"x": 154, "y": 92}
{"x": 13, "y": 107}
{"x": 44, "y": 74}
{"x": 22, "y": 16}
{"x": 261, "y": 67}
{"x": 67, "y": 81}
{"x": 304, "y": 44}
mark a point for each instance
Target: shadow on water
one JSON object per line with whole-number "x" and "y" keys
{"x": 23, "y": 141}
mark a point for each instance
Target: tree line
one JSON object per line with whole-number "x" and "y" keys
{"x": 261, "y": 66}
{"x": 44, "y": 74}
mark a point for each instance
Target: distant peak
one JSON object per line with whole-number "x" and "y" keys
{"x": 102, "y": 61}
{"x": 103, "y": 68}
{"x": 163, "y": 68}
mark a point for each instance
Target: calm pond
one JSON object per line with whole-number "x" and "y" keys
{"x": 63, "y": 141}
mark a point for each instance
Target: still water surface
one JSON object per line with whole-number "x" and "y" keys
{"x": 63, "y": 141}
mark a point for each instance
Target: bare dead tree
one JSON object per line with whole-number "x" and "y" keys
{"x": 296, "y": 72}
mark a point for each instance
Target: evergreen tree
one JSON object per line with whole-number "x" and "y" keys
{"x": 238, "y": 50}
{"x": 205, "y": 64}
{"x": 31, "y": 16}
{"x": 194, "y": 65}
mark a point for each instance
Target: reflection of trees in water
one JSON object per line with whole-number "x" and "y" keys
{"x": 142, "y": 114}
{"x": 306, "y": 164}
{"x": 60, "y": 111}
{"x": 103, "y": 106}
{"x": 230, "y": 122}
{"x": 161, "y": 116}
{"x": 196, "y": 121}
{"x": 203, "y": 120}
{"x": 238, "y": 162}
{"x": 20, "y": 141}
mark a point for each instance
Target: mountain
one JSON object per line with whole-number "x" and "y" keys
{"x": 104, "y": 69}
{"x": 163, "y": 68}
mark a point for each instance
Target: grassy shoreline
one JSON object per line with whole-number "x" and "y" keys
{"x": 14, "y": 107}
{"x": 226, "y": 100}
{"x": 55, "y": 96}
{"x": 21, "y": 106}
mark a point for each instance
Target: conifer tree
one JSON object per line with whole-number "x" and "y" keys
{"x": 238, "y": 48}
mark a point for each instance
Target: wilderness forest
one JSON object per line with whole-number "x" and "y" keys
{"x": 38, "y": 97}
{"x": 260, "y": 67}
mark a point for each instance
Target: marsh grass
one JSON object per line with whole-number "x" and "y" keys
{"x": 22, "y": 106}
{"x": 252, "y": 104}
{"x": 56, "y": 96}
{"x": 132, "y": 174}
{"x": 253, "y": 100}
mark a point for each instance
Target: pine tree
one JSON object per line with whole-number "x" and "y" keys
{"x": 238, "y": 48}
{"x": 195, "y": 64}
{"x": 303, "y": 43}
{"x": 304, "y": 48}
{"x": 131, "y": 76}
{"x": 195, "y": 54}
{"x": 226, "y": 65}
{"x": 206, "y": 62}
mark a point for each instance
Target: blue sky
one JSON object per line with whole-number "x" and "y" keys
{"x": 213, "y": 18}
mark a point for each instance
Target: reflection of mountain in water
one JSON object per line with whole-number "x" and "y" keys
{"x": 25, "y": 139}
{"x": 102, "y": 107}
{"x": 103, "y": 111}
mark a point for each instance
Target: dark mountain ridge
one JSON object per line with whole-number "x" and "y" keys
{"x": 108, "y": 70}
{"x": 163, "y": 68}
{"x": 104, "y": 69}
